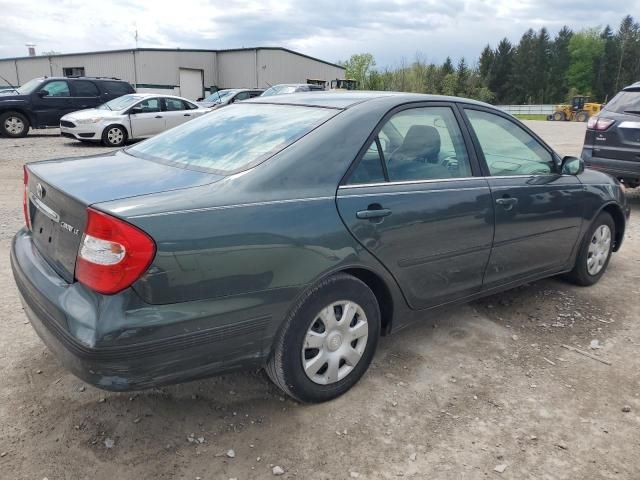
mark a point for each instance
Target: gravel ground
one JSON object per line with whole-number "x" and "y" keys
{"x": 483, "y": 390}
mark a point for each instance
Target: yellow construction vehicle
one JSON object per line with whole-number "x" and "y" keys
{"x": 579, "y": 111}
{"x": 344, "y": 84}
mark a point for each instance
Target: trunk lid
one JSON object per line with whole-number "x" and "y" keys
{"x": 59, "y": 192}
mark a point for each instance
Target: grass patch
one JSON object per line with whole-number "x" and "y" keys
{"x": 530, "y": 116}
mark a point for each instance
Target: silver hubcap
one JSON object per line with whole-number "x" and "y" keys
{"x": 14, "y": 125}
{"x": 115, "y": 136}
{"x": 335, "y": 342}
{"x": 598, "y": 249}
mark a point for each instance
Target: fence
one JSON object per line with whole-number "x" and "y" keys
{"x": 527, "y": 109}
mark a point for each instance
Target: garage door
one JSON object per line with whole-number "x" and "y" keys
{"x": 191, "y": 83}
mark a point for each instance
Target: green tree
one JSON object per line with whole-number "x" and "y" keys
{"x": 500, "y": 80}
{"x": 559, "y": 62}
{"x": 358, "y": 67}
{"x": 585, "y": 48}
{"x": 447, "y": 67}
{"x": 628, "y": 69}
{"x": 521, "y": 80}
{"x": 462, "y": 77}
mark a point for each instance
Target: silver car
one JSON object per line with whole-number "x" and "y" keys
{"x": 133, "y": 116}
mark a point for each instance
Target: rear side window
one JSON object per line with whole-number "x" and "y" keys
{"x": 175, "y": 104}
{"x": 85, "y": 88}
{"x": 232, "y": 138}
{"x": 625, "y": 102}
{"x": 117, "y": 88}
{"x": 415, "y": 144}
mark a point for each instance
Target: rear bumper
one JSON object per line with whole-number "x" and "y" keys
{"x": 116, "y": 343}
{"x": 615, "y": 168}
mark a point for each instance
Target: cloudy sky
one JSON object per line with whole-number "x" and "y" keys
{"x": 329, "y": 29}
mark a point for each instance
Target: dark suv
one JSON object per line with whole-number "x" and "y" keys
{"x": 41, "y": 102}
{"x": 612, "y": 143}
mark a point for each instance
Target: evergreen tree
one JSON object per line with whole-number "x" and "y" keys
{"x": 541, "y": 61}
{"x": 502, "y": 71}
{"x": 447, "y": 67}
{"x": 462, "y": 74}
{"x": 558, "y": 65}
{"x": 487, "y": 58}
{"x": 522, "y": 81}
{"x": 628, "y": 69}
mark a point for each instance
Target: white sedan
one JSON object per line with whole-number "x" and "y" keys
{"x": 133, "y": 116}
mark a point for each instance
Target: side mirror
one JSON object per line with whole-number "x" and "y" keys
{"x": 43, "y": 93}
{"x": 135, "y": 111}
{"x": 572, "y": 166}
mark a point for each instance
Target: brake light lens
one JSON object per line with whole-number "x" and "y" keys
{"x": 113, "y": 254}
{"x": 25, "y": 198}
{"x": 600, "y": 124}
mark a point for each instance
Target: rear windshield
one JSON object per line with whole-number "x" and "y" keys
{"x": 233, "y": 138}
{"x": 625, "y": 102}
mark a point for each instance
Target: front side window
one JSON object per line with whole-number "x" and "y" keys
{"x": 508, "y": 149}
{"x": 232, "y": 138}
{"x": 416, "y": 144}
{"x": 58, "y": 88}
{"x": 241, "y": 96}
{"x": 150, "y": 105}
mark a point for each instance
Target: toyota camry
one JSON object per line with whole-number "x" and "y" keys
{"x": 291, "y": 232}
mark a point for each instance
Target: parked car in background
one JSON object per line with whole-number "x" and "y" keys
{"x": 289, "y": 232}
{"x": 41, "y": 102}
{"x": 291, "y": 88}
{"x": 7, "y": 90}
{"x": 612, "y": 141}
{"x": 133, "y": 116}
{"x": 229, "y": 96}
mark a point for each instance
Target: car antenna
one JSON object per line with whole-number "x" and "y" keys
{"x": 8, "y": 83}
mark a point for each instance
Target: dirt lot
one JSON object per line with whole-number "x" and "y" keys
{"x": 470, "y": 389}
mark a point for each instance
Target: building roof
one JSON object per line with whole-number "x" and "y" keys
{"x": 131, "y": 50}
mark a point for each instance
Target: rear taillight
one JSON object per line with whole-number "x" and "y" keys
{"x": 113, "y": 254}
{"x": 25, "y": 197}
{"x": 600, "y": 124}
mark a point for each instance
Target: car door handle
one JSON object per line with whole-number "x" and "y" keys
{"x": 187, "y": 114}
{"x": 158, "y": 116}
{"x": 507, "y": 202}
{"x": 373, "y": 213}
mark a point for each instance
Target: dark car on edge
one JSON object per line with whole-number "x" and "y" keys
{"x": 41, "y": 102}
{"x": 612, "y": 141}
{"x": 290, "y": 232}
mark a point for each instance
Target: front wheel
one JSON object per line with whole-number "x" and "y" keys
{"x": 328, "y": 340}
{"x": 595, "y": 252}
{"x": 582, "y": 117}
{"x": 114, "y": 136}
{"x": 14, "y": 124}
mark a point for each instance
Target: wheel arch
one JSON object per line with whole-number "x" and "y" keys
{"x": 619, "y": 221}
{"x": 117, "y": 124}
{"x": 30, "y": 117}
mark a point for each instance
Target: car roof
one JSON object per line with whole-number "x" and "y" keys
{"x": 99, "y": 79}
{"x": 349, "y": 99}
{"x": 632, "y": 88}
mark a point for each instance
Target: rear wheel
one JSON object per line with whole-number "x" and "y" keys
{"x": 582, "y": 116}
{"x": 559, "y": 116}
{"x": 14, "y": 124}
{"x": 328, "y": 341}
{"x": 114, "y": 136}
{"x": 595, "y": 252}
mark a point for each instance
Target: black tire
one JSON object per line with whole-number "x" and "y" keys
{"x": 582, "y": 116}
{"x": 580, "y": 274}
{"x": 285, "y": 366}
{"x": 114, "y": 136}
{"x": 10, "y": 123}
{"x": 559, "y": 117}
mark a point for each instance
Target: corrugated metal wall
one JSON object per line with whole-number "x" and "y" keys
{"x": 159, "y": 70}
{"x": 237, "y": 69}
{"x": 162, "y": 68}
{"x": 279, "y": 66}
{"x": 119, "y": 65}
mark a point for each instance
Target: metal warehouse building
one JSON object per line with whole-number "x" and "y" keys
{"x": 190, "y": 73}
